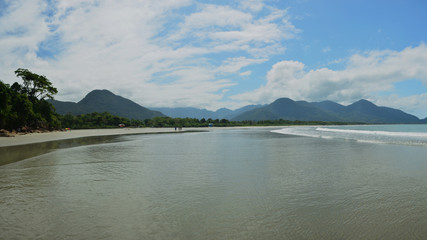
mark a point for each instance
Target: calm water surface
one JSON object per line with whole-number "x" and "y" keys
{"x": 224, "y": 184}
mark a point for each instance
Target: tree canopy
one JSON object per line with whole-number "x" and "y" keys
{"x": 24, "y": 106}
{"x": 35, "y": 86}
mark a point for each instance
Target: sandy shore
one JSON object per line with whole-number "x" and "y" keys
{"x": 61, "y": 135}
{"x": 53, "y": 136}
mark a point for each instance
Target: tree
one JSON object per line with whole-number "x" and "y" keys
{"x": 5, "y": 107}
{"x": 35, "y": 86}
{"x": 25, "y": 105}
{"x": 22, "y": 112}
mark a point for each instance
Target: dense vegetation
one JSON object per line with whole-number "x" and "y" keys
{"x": 97, "y": 120}
{"x": 106, "y": 120}
{"x": 194, "y": 122}
{"x": 23, "y": 106}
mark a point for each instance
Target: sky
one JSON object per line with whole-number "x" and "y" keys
{"x": 213, "y": 54}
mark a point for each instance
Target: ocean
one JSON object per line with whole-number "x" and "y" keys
{"x": 414, "y": 134}
{"x": 314, "y": 182}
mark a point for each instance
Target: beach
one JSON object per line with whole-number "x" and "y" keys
{"x": 80, "y": 133}
{"x": 41, "y": 137}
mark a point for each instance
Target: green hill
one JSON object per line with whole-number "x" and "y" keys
{"x": 105, "y": 101}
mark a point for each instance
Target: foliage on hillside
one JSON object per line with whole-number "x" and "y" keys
{"x": 186, "y": 122}
{"x": 107, "y": 120}
{"x": 97, "y": 120}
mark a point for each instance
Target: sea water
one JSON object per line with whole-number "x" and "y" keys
{"x": 388, "y": 134}
{"x": 280, "y": 183}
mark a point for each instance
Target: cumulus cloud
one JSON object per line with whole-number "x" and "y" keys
{"x": 233, "y": 65}
{"x": 364, "y": 76}
{"x": 253, "y": 5}
{"x": 223, "y": 28}
{"x": 158, "y": 53}
{"x": 20, "y": 34}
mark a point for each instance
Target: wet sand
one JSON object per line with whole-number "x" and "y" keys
{"x": 62, "y": 135}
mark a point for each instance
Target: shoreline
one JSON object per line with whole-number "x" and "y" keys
{"x": 31, "y": 138}
{"x": 20, "y": 147}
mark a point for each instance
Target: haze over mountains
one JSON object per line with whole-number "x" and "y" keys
{"x": 361, "y": 111}
{"x": 222, "y": 113}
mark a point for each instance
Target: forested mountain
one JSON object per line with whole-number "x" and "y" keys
{"x": 190, "y": 112}
{"x": 105, "y": 101}
{"x": 366, "y": 111}
{"x": 361, "y": 111}
{"x": 184, "y": 112}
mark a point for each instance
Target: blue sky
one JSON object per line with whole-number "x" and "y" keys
{"x": 213, "y": 54}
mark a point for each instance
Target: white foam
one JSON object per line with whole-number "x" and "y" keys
{"x": 365, "y": 136}
{"x": 380, "y": 133}
{"x": 296, "y": 132}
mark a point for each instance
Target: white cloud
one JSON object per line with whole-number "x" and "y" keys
{"x": 154, "y": 52}
{"x": 233, "y": 65}
{"x": 186, "y": 53}
{"x": 210, "y": 18}
{"x": 247, "y": 73}
{"x": 215, "y": 15}
{"x": 22, "y": 27}
{"x": 223, "y": 28}
{"x": 253, "y": 5}
{"x": 364, "y": 76}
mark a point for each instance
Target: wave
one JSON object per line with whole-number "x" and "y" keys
{"x": 365, "y": 136}
{"x": 372, "y": 132}
{"x": 288, "y": 131}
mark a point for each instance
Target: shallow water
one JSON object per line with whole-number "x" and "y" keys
{"x": 225, "y": 184}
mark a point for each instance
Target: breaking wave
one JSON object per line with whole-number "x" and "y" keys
{"x": 392, "y": 134}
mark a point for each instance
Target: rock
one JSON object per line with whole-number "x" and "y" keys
{"x": 6, "y": 133}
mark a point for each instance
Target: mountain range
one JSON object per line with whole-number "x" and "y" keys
{"x": 361, "y": 111}
{"x": 190, "y": 112}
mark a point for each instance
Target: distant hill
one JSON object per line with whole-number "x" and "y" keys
{"x": 184, "y": 112}
{"x": 288, "y": 109}
{"x": 190, "y": 112}
{"x": 360, "y": 111}
{"x": 244, "y": 109}
{"x": 105, "y": 101}
{"x": 329, "y": 106}
{"x": 366, "y": 111}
